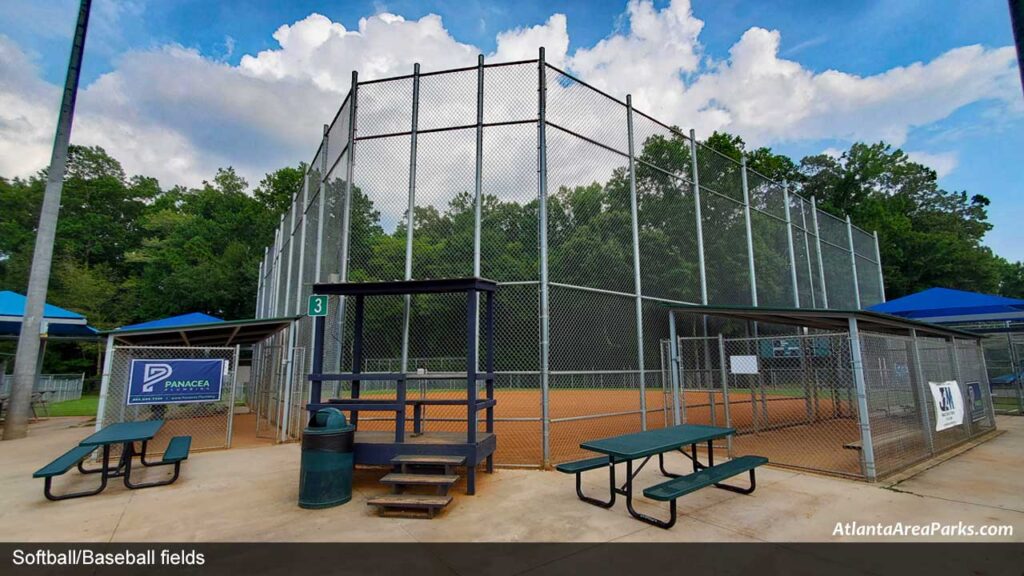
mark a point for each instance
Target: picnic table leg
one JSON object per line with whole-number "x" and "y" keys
{"x": 611, "y": 489}
{"x": 129, "y": 449}
{"x": 661, "y": 464}
{"x": 753, "y": 478}
{"x": 48, "y": 485}
{"x": 643, "y": 517}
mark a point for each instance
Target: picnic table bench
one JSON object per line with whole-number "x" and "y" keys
{"x": 126, "y": 434}
{"x": 629, "y": 447}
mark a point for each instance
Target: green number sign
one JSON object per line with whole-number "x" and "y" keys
{"x": 317, "y": 305}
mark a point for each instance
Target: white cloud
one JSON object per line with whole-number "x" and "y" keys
{"x": 176, "y": 114}
{"x": 942, "y": 162}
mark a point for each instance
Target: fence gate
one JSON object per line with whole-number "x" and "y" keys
{"x": 208, "y": 423}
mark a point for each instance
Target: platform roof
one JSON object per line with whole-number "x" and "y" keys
{"x": 218, "y": 333}
{"x": 60, "y": 323}
{"x": 949, "y": 305}
{"x": 830, "y": 320}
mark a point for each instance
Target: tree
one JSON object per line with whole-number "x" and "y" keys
{"x": 276, "y": 189}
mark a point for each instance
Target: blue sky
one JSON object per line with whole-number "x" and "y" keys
{"x": 974, "y": 141}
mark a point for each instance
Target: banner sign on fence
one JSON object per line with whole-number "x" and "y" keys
{"x": 949, "y": 404}
{"x": 175, "y": 381}
{"x": 977, "y": 402}
{"x": 743, "y": 364}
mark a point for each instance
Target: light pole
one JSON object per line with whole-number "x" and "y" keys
{"x": 27, "y": 355}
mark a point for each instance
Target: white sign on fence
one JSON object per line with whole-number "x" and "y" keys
{"x": 949, "y": 404}
{"x": 743, "y": 364}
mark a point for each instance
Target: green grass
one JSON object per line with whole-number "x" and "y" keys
{"x": 87, "y": 405}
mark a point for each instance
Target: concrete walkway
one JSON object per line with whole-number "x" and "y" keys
{"x": 249, "y": 494}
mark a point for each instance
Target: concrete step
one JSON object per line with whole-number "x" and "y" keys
{"x": 429, "y": 460}
{"x": 445, "y": 480}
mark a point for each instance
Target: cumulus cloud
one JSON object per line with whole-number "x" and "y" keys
{"x": 942, "y": 162}
{"x": 177, "y": 114}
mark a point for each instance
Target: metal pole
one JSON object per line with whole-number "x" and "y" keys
{"x": 750, "y": 234}
{"x": 792, "y": 252}
{"x": 289, "y": 279}
{"x": 987, "y": 387}
{"x": 542, "y": 185}
{"x": 27, "y": 354}
{"x": 634, "y": 216}
{"x": 108, "y": 361}
{"x": 867, "y": 448}
{"x": 288, "y": 379}
{"x": 853, "y": 262}
{"x": 673, "y": 351}
{"x": 300, "y": 209}
{"x": 410, "y": 219}
{"x": 724, "y": 375}
{"x": 881, "y": 277}
{"x": 924, "y": 393}
{"x": 259, "y": 291}
{"x": 346, "y": 212}
{"x": 964, "y": 395}
{"x": 700, "y": 223}
{"x": 807, "y": 253}
{"x": 231, "y": 403}
{"x": 278, "y": 276}
{"x": 478, "y": 181}
{"x": 821, "y": 262}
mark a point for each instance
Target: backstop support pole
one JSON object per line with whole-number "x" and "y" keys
{"x": 821, "y": 261}
{"x": 853, "y": 263}
{"x": 634, "y": 216}
{"x": 673, "y": 366}
{"x": 723, "y": 373}
{"x": 867, "y": 448}
{"x": 792, "y": 252}
{"x": 700, "y": 248}
{"x": 478, "y": 184}
{"x": 410, "y": 217}
{"x": 750, "y": 235}
{"x": 346, "y": 212}
{"x": 878, "y": 259}
{"x": 542, "y": 191}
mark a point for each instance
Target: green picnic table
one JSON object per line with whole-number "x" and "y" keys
{"x": 647, "y": 444}
{"x": 126, "y": 434}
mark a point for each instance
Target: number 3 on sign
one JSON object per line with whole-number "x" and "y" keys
{"x": 317, "y": 305}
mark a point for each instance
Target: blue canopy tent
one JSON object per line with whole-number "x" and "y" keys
{"x": 58, "y": 323}
{"x": 1001, "y": 318}
{"x": 948, "y": 306}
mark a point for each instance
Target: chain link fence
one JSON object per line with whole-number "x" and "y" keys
{"x": 587, "y": 212}
{"x": 52, "y": 388}
{"x": 208, "y": 423}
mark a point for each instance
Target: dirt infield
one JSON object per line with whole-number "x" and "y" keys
{"x": 782, "y": 428}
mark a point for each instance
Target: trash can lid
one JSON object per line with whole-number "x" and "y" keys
{"x": 329, "y": 418}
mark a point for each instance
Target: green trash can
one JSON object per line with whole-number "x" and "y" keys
{"x": 325, "y": 474}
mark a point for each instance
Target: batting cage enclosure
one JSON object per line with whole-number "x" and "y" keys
{"x": 588, "y": 213}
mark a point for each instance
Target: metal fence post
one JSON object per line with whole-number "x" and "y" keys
{"x": 821, "y": 261}
{"x": 807, "y": 253}
{"x": 288, "y": 380}
{"x": 277, "y": 269}
{"x": 987, "y": 387}
{"x": 723, "y": 373}
{"x": 853, "y": 262}
{"x": 478, "y": 179}
{"x": 673, "y": 352}
{"x": 300, "y": 210}
{"x": 259, "y": 292}
{"x": 700, "y": 223}
{"x": 792, "y": 252}
{"x": 346, "y": 211}
{"x": 749, "y": 229}
{"x": 634, "y": 216}
{"x": 867, "y": 448}
{"x": 231, "y": 401}
{"x": 878, "y": 260}
{"x": 923, "y": 394}
{"x": 964, "y": 395}
{"x": 542, "y": 185}
{"x": 108, "y": 360}
{"x": 410, "y": 219}
{"x": 289, "y": 278}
